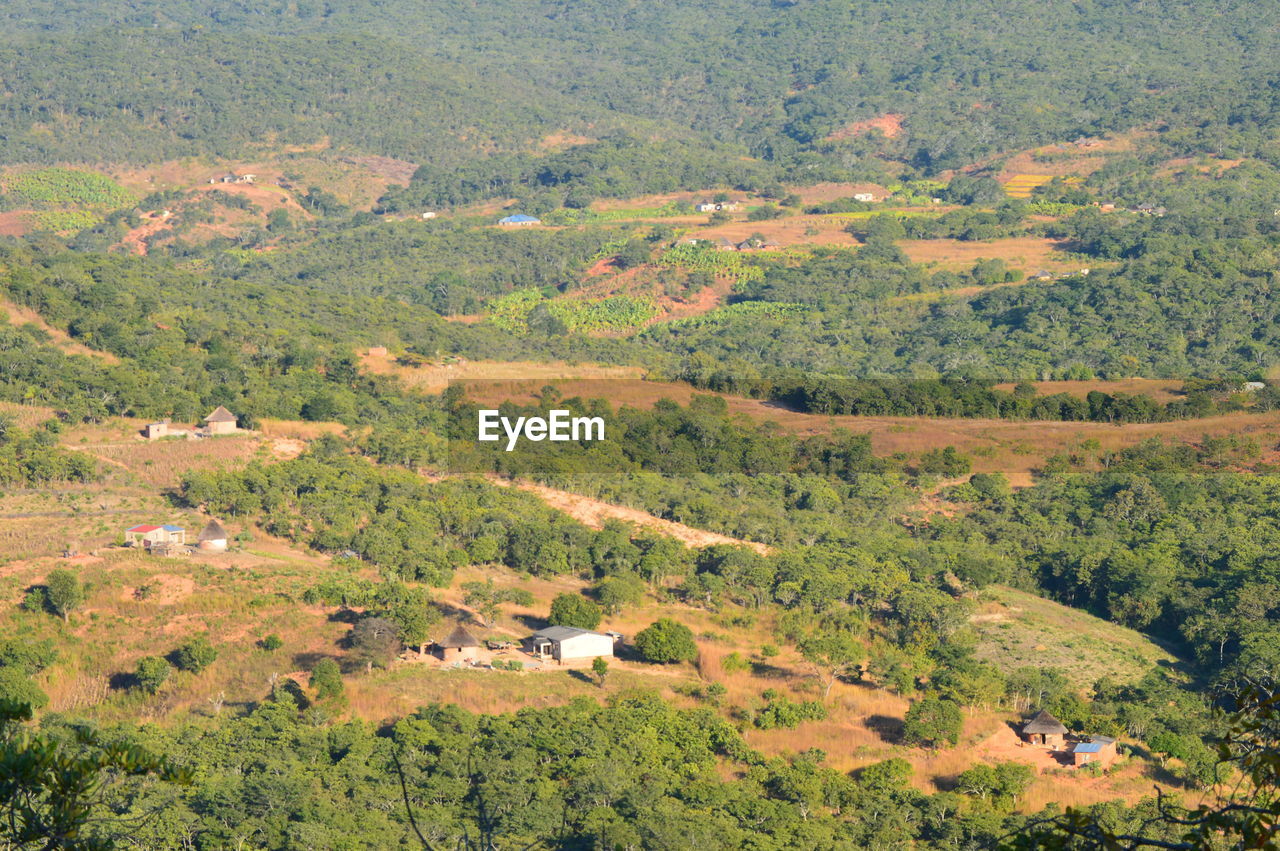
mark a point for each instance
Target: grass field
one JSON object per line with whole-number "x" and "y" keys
{"x": 1018, "y": 630}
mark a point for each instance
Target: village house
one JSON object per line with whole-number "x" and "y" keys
{"x": 212, "y": 538}
{"x": 1044, "y": 731}
{"x": 220, "y": 421}
{"x": 429, "y": 214}
{"x": 459, "y": 646}
{"x": 518, "y": 220}
{"x": 569, "y": 643}
{"x": 1100, "y": 750}
{"x": 723, "y": 244}
{"x": 716, "y": 206}
{"x": 864, "y": 197}
{"x": 151, "y": 537}
{"x": 157, "y": 430}
{"x": 377, "y": 351}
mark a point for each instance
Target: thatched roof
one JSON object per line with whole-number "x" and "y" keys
{"x": 1044, "y": 723}
{"x": 213, "y": 532}
{"x": 220, "y": 415}
{"x": 460, "y": 638}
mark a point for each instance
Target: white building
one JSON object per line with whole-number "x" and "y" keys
{"x": 864, "y": 197}
{"x": 568, "y": 643}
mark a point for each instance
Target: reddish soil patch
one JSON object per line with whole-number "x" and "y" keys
{"x": 890, "y": 124}
{"x": 563, "y": 139}
{"x": 136, "y": 239}
{"x": 392, "y": 170}
{"x": 820, "y": 192}
{"x": 602, "y": 266}
{"x": 14, "y": 223}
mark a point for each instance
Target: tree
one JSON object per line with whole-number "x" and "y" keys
{"x": 666, "y": 641}
{"x": 600, "y": 667}
{"x": 151, "y": 673}
{"x": 831, "y": 654}
{"x": 326, "y": 680}
{"x": 375, "y": 641}
{"x": 271, "y": 643}
{"x": 487, "y": 599}
{"x": 574, "y": 610}
{"x": 50, "y": 791}
{"x": 64, "y": 592}
{"x": 890, "y": 775}
{"x": 932, "y": 721}
{"x": 616, "y": 592}
{"x": 196, "y": 655}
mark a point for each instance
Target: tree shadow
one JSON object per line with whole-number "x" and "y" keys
{"x": 533, "y": 622}
{"x": 769, "y": 672}
{"x": 455, "y": 613}
{"x": 582, "y": 676}
{"x": 888, "y": 728}
{"x": 123, "y": 681}
{"x": 345, "y": 615}
{"x": 308, "y": 661}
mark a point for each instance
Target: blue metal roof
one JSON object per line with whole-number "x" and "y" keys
{"x": 518, "y": 217}
{"x": 1087, "y": 747}
{"x": 169, "y": 527}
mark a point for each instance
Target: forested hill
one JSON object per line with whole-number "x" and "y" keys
{"x": 439, "y": 82}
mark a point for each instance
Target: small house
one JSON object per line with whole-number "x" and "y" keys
{"x": 246, "y": 178}
{"x": 155, "y": 431}
{"x": 518, "y": 220}
{"x": 1042, "y": 275}
{"x": 429, "y": 214}
{"x": 723, "y": 244}
{"x": 864, "y": 197}
{"x": 459, "y": 646}
{"x": 377, "y": 351}
{"x": 770, "y": 245}
{"x": 1044, "y": 730}
{"x": 229, "y": 177}
{"x": 154, "y": 537}
{"x": 212, "y": 538}
{"x": 717, "y": 207}
{"x": 220, "y": 421}
{"x": 1254, "y": 386}
{"x": 569, "y": 643}
{"x": 1098, "y": 749}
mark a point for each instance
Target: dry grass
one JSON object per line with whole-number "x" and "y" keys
{"x": 1017, "y": 630}
{"x": 1028, "y": 253}
{"x": 433, "y": 378}
{"x": 164, "y": 462}
{"x": 25, "y": 416}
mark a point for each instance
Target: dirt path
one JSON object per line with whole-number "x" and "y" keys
{"x": 594, "y": 513}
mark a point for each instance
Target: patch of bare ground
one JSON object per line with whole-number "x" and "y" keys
{"x": 562, "y": 139}
{"x": 889, "y": 124}
{"x": 15, "y": 222}
{"x": 433, "y": 378}
{"x": 594, "y": 513}
{"x": 18, "y": 315}
{"x": 819, "y": 192}
{"x": 787, "y": 231}
{"x": 1028, "y": 253}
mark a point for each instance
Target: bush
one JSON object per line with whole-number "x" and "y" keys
{"x": 271, "y": 643}
{"x": 196, "y": 655}
{"x": 933, "y": 722}
{"x": 20, "y": 688}
{"x": 151, "y": 673}
{"x": 574, "y": 610}
{"x": 666, "y": 641}
{"x": 326, "y": 679}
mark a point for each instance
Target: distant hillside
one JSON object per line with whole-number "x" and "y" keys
{"x": 442, "y": 81}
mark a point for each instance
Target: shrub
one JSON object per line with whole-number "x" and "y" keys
{"x": 666, "y": 641}
{"x": 271, "y": 643}
{"x": 574, "y": 610}
{"x": 326, "y": 679}
{"x": 196, "y": 655}
{"x": 151, "y": 673}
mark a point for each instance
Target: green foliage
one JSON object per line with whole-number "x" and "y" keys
{"x": 151, "y": 673}
{"x": 705, "y": 257}
{"x": 574, "y": 610}
{"x": 64, "y": 592}
{"x": 932, "y": 722}
{"x": 666, "y": 641}
{"x": 195, "y": 655}
{"x": 780, "y": 712}
{"x": 271, "y": 643}
{"x": 326, "y": 680}
{"x": 51, "y": 188}
{"x": 374, "y": 642}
